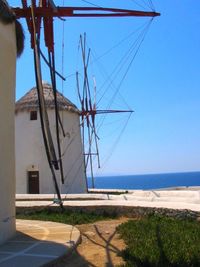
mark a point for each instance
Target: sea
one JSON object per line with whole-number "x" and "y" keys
{"x": 146, "y": 181}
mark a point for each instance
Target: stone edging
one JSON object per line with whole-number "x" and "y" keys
{"x": 118, "y": 211}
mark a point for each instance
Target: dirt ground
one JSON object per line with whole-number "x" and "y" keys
{"x": 100, "y": 246}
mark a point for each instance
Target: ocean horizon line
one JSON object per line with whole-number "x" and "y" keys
{"x": 142, "y": 174}
{"x": 146, "y": 181}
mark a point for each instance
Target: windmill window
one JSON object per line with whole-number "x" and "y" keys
{"x": 33, "y": 115}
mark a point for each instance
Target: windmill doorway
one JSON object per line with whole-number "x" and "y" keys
{"x": 33, "y": 182}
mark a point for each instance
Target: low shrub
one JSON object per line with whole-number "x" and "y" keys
{"x": 68, "y": 217}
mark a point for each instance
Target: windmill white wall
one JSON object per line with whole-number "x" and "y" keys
{"x": 30, "y": 152}
{"x": 7, "y": 154}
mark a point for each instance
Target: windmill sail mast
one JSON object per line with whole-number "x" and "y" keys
{"x": 89, "y": 111}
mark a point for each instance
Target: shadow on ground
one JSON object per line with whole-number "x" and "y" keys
{"x": 100, "y": 247}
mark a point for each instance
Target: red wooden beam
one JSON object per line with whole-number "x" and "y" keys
{"x": 47, "y": 12}
{"x": 81, "y": 12}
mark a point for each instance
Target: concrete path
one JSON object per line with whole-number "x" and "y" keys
{"x": 172, "y": 199}
{"x": 37, "y": 243}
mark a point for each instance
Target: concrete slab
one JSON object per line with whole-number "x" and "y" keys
{"x": 37, "y": 243}
{"x": 171, "y": 199}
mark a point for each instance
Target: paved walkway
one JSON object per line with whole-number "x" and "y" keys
{"x": 37, "y": 243}
{"x": 172, "y": 199}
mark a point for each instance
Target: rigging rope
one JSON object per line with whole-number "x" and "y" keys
{"x": 72, "y": 139}
{"x": 152, "y": 5}
{"x": 38, "y": 77}
{"x": 137, "y": 43}
{"x": 117, "y": 141}
{"x": 48, "y": 64}
{"x": 145, "y": 4}
{"x": 88, "y": 2}
{"x": 57, "y": 116}
{"x": 130, "y": 64}
{"x": 118, "y": 69}
{"x": 101, "y": 67}
{"x": 118, "y": 43}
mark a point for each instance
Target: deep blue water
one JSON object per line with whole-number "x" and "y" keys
{"x": 147, "y": 181}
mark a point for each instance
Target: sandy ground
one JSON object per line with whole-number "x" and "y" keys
{"x": 100, "y": 246}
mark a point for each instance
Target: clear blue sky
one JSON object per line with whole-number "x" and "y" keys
{"x": 162, "y": 85}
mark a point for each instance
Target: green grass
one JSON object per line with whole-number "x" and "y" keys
{"x": 67, "y": 217}
{"x": 158, "y": 241}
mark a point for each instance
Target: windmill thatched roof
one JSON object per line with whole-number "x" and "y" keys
{"x": 30, "y": 100}
{"x": 7, "y": 16}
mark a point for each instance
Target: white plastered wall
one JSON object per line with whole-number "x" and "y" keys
{"x": 30, "y": 153}
{"x": 7, "y": 153}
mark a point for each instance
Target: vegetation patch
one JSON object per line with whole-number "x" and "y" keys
{"x": 68, "y": 217}
{"x": 157, "y": 241}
